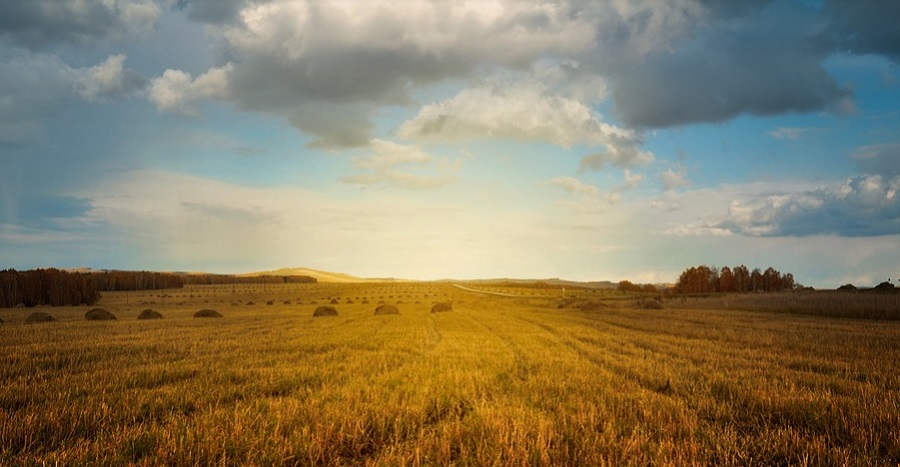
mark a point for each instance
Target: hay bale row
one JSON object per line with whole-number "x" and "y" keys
{"x": 207, "y": 313}
{"x": 442, "y": 307}
{"x": 592, "y": 305}
{"x": 150, "y": 314}
{"x": 40, "y": 317}
{"x": 386, "y": 310}
{"x": 99, "y": 314}
{"x": 651, "y": 304}
{"x": 325, "y": 310}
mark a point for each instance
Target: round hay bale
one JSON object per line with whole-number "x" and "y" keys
{"x": 334, "y": 301}
{"x": 325, "y": 310}
{"x": 39, "y": 317}
{"x": 286, "y": 302}
{"x": 207, "y": 313}
{"x": 651, "y": 304}
{"x": 386, "y": 310}
{"x": 442, "y": 307}
{"x": 250, "y": 303}
{"x": 270, "y": 302}
{"x": 592, "y": 305}
{"x": 150, "y": 314}
{"x": 99, "y": 314}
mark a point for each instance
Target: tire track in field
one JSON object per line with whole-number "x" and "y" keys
{"x": 524, "y": 368}
{"x": 626, "y": 372}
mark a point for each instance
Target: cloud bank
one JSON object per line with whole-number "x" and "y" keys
{"x": 863, "y": 206}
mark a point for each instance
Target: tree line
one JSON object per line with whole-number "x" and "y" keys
{"x": 55, "y": 287}
{"x": 628, "y": 286}
{"x": 708, "y": 279}
{"x": 46, "y": 287}
{"x": 220, "y": 279}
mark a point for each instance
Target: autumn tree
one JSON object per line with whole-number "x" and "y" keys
{"x": 706, "y": 279}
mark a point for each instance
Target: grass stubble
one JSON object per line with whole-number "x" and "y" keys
{"x": 497, "y": 381}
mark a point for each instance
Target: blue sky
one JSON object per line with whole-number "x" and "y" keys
{"x": 492, "y": 138}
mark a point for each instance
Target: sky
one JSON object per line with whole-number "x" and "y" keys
{"x": 428, "y": 139}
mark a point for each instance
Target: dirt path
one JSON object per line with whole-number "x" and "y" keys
{"x": 467, "y": 289}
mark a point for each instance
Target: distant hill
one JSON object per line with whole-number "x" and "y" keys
{"x": 555, "y": 282}
{"x": 321, "y": 276}
{"x": 339, "y": 277}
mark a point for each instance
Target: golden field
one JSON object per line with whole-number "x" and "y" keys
{"x": 500, "y": 380}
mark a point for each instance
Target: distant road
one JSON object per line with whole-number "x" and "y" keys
{"x": 467, "y": 289}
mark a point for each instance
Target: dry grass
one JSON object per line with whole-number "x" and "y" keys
{"x": 500, "y": 381}
{"x": 840, "y": 304}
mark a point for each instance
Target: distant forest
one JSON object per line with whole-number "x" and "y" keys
{"x": 219, "y": 279}
{"x": 706, "y": 279}
{"x": 55, "y": 287}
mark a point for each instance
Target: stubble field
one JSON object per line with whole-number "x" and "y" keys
{"x": 497, "y": 381}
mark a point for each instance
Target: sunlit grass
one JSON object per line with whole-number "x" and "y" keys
{"x": 497, "y": 381}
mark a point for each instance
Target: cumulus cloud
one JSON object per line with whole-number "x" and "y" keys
{"x": 40, "y": 23}
{"x": 396, "y": 165}
{"x": 522, "y": 112}
{"x": 863, "y": 206}
{"x": 673, "y": 179}
{"x": 328, "y": 66}
{"x": 109, "y": 79}
{"x": 177, "y": 91}
{"x": 720, "y": 63}
{"x": 526, "y": 111}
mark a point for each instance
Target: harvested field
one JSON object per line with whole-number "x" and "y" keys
{"x": 500, "y": 380}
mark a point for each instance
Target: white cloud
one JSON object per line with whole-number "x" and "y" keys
{"x": 325, "y": 66}
{"x": 674, "y": 179}
{"x": 328, "y": 67}
{"x": 396, "y": 165}
{"x": 523, "y": 111}
{"x": 177, "y": 91}
{"x": 108, "y": 79}
{"x": 863, "y": 206}
{"x": 577, "y": 187}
